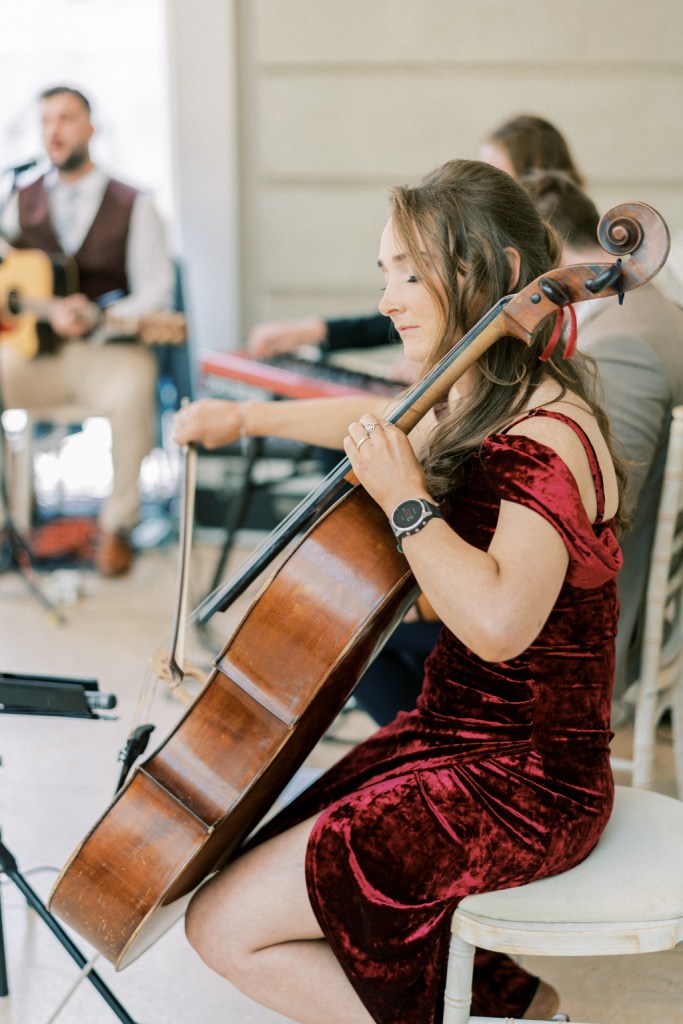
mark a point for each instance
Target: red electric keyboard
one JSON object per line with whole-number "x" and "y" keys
{"x": 238, "y": 375}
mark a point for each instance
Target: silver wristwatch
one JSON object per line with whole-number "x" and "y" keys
{"x": 410, "y": 516}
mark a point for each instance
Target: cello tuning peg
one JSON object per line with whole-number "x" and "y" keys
{"x": 554, "y": 290}
{"x": 607, "y": 279}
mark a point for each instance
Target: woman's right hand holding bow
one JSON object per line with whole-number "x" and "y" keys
{"x": 212, "y": 422}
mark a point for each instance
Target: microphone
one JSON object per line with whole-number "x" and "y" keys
{"x": 97, "y": 700}
{"x": 20, "y": 168}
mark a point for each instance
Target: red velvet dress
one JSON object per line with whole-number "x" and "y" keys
{"x": 501, "y": 775}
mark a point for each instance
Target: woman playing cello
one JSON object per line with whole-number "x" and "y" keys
{"x": 505, "y": 502}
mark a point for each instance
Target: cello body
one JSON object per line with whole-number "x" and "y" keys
{"x": 187, "y": 808}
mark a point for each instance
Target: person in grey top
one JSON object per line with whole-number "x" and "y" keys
{"x": 638, "y": 348}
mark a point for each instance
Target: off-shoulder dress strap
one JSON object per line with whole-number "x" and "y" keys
{"x": 596, "y": 472}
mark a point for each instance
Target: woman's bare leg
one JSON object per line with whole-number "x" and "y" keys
{"x": 254, "y": 925}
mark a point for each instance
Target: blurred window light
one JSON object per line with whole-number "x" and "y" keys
{"x": 115, "y": 53}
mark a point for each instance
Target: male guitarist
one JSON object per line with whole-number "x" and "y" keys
{"x": 116, "y": 239}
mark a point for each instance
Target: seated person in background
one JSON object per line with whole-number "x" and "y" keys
{"x": 501, "y": 774}
{"x": 116, "y": 238}
{"x": 638, "y": 349}
{"x": 522, "y": 144}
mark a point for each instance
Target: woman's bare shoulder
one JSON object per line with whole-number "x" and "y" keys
{"x": 564, "y": 440}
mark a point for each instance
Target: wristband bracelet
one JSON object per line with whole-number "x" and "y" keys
{"x": 99, "y": 321}
{"x": 244, "y": 427}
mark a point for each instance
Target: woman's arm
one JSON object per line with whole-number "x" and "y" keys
{"x": 495, "y": 601}
{"x": 215, "y": 422}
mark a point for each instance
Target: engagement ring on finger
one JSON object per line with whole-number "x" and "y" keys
{"x": 369, "y": 427}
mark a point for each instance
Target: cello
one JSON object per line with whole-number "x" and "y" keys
{"x": 294, "y": 658}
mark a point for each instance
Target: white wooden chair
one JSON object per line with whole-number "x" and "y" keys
{"x": 21, "y": 464}
{"x": 625, "y": 897}
{"x": 660, "y": 684}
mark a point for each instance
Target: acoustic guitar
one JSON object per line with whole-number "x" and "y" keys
{"x": 30, "y": 281}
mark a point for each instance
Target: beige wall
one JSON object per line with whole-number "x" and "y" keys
{"x": 204, "y": 125}
{"x": 339, "y": 98}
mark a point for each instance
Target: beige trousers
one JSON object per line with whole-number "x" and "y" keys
{"x": 116, "y": 381}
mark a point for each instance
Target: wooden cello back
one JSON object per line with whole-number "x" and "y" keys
{"x": 277, "y": 685}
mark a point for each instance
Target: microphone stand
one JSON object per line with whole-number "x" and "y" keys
{"x": 15, "y": 552}
{"x": 9, "y": 867}
{"x": 16, "y": 171}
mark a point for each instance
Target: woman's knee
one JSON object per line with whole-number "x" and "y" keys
{"x": 197, "y": 925}
{"x": 223, "y": 949}
{"x": 195, "y": 922}
{"x": 259, "y": 900}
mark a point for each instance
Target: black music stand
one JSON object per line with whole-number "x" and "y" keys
{"x": 74, "y": 698}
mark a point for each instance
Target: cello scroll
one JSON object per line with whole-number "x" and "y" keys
{"x": 635, "y": 232}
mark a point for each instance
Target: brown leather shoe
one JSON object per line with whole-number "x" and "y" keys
{"x": 545, "y": 1003}
{"x": 114, "y": 555}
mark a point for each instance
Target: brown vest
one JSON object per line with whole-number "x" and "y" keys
{"x": 101, "y": 259}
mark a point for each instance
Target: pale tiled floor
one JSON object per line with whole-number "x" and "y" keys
{"x": 58, "y": 775}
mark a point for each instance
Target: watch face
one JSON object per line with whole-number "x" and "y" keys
{"x": 408, "y": 513}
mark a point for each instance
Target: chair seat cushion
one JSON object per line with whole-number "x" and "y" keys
{"x": 635, "y": 873}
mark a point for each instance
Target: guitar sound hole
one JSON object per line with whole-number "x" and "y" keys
{"x": 14, "y": 303}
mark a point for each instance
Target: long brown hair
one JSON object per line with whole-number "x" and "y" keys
{"x": 465, "y": 214}
{"x": 533, "y": 144}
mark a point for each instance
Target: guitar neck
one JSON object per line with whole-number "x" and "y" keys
{"x": 40, "y": 308}
{"x": 156, "y": 328}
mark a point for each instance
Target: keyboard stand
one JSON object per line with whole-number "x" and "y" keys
{"x": 237, "y": 509}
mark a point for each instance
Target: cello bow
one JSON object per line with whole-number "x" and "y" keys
{"x": 290, "y": 665}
